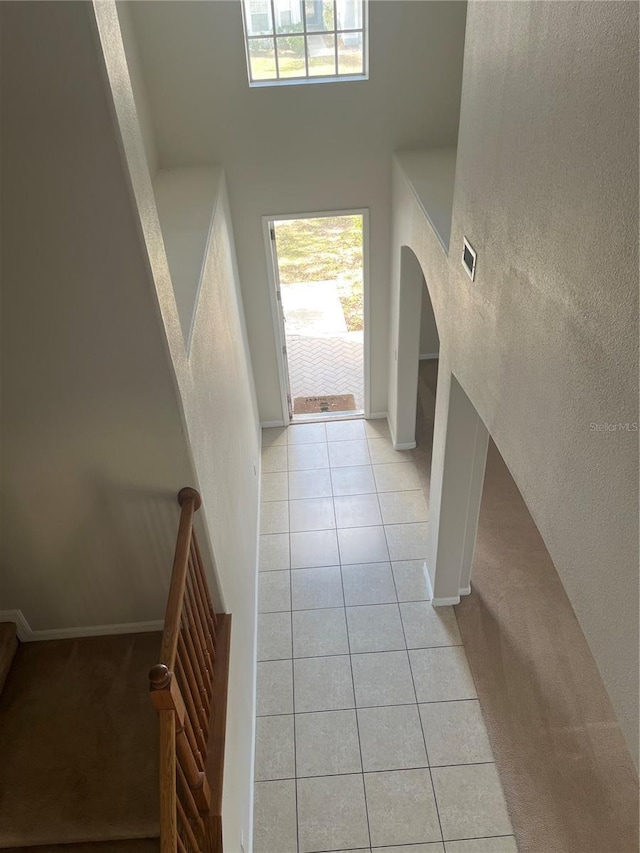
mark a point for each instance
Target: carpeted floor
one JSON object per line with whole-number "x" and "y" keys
{"x": 79, "y": 742}
{"x": 570, "y": 784}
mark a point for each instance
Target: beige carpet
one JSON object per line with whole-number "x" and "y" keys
{"x": 79, "y": 743}
{"x": 569, "y": 781}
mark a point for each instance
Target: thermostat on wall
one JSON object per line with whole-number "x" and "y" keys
{"x": 469, "y": 256}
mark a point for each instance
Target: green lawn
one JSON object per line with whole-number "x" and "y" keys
{"x": 325, "y": 249}
{"x": 292, "y": 65}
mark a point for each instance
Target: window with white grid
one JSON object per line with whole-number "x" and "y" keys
{"x": 305, "y": 41}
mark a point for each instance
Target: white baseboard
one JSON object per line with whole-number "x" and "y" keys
{"x": 27, "y": 635}
{"x": 376, "y": 416}
{"x": 429, "y": 356}
{"x": 466, "y": 590}
{"x": 437, "y": 602}
{"x": 269, "y": 424}
{"x": 406, "y": 445}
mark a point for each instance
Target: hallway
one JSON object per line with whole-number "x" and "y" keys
{"x": 369, "y": 730}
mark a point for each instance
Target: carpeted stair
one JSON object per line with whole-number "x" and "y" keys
{"x": 78, "y": 745}
{"x": 8, "y": 648}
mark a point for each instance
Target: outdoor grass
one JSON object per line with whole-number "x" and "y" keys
{"x": 327, "y": 248}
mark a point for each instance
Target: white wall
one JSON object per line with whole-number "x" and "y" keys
{"x": 429, "y": 340}
{"x": 217, "y": 394}
{"x": 92, "y": 447}
{"x": 185, "y": 201}
{"x": 303, "y": 148}
{"x": 545, "y": 341}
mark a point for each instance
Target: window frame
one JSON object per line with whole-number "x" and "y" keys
{"x": 304, "y": 33}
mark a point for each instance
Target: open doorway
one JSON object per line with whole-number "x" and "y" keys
{"x": 318, "y": 264}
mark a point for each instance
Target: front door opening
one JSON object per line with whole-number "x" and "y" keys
{"x": 319, "y": 276}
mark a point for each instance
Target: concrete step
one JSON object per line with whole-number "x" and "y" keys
{"x": 8, "y": 648}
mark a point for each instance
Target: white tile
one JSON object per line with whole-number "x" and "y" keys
{"x": 274, "y": 517}
{"x": 345, "y": 454}
{"x": 426, "y": 626}
{"x": 345, "y": 430}
{"x": 306, "y": 434}
{"x": 375, "y": 628}
{"x": 312, "y": 514}
{"x": 431, "y": 847}
{"x": 274, "y": 552}
{"x": 391, "y": 738}
{"x": 274, "y": 818}
{"x": 275, "y": 688}
{"x": 382, "y": 678}
{"x": 274, "y": 487}
{"x": 309, "y": 484}
{"x": 327, "y": 743}
{"x": 368, "y": 583}
{"x": 272, "y": 436}
{"x": 382, "y": 452}
{"x": 403, "y": 507}
{"x": 377, "y": 428}
{"x": 363, "y": 545}
{"x": 315, "y": 548}
{"x": 353, "y": 481}
{"x": 441, "y": 674}
{"x": 319, "y": 633}
{"x": 409, "y": 576}
{"x": 275, "y": 752}
{"x": 401, "y": 808}
{"x": 312, "y": 589}
{"x": 470, "y": 801}
{"x": 332, "y": 814}
{"x": 397, "y": 477}
{"x": 274, "y": 636}
{"x": 357, "y": 511}
{"x": 455, "y": 733}
{"x": 503, "y": 844}
{"x": 323, "y": 684}
{"x": 274, "y": 459}
{"x": 274, "y": 591}
{"x": 407, "y": 541}
{"x": 306, "y": 457}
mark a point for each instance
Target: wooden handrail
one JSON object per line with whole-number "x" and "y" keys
{"x": 189, "y": 690}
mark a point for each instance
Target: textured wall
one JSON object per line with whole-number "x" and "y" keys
{"x": 544, "y": 341}
{"x": 216, "y": 390}
{"x": 299, "y": 149}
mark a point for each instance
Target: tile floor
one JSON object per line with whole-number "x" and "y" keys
{"x": 369, "y": 730}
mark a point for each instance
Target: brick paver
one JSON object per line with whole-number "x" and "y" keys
{"x": 327, "y": 365}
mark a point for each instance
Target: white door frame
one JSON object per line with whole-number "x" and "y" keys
{"x": 267, "y": 224}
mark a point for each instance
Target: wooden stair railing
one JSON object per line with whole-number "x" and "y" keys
{"x": 189, "y": 691}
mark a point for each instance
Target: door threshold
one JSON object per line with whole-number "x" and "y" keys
{"x": 327, "y": 416}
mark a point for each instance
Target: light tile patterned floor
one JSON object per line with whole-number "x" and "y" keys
{"x": 369, "y": 730}
{"x": 327, "y": 365}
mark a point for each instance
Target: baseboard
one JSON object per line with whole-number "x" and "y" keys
{"x": 466, "y": 590}
{"x": 438, "y": 602}
{"x": 269, "y": 424}
{"x": 27, "y": 635}
{"x": 429, "y": 356}
{"x": 377, "y": 416}
{"x": 407, "y": 445}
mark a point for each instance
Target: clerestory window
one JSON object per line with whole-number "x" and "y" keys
{"x": 305, "y": 41}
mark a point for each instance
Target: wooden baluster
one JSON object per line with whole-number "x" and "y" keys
{"x": 201, "y": 630}
{"x": 181, "y": 848}
{"x": 203, "y": 587}
{"x": 190, "y": 502}
{"x": 193, "y": 743}
{"x": 185, "y": 689}
{"x": 190, "y": 804}
{"x": 198, "y": 666}
{"x": 193, "y": 684}
{"x": 193, "y": 841}
{"x": 202, "y": 611}
{"x": 203, "y": 581}
{"x": 166, "y": 696}
{"x": 168, "y": 799}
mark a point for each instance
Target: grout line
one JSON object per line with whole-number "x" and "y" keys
{"x": 367, "y": 707}
{"x": 293, "y": 689}
{"x": 373, "y": 772}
